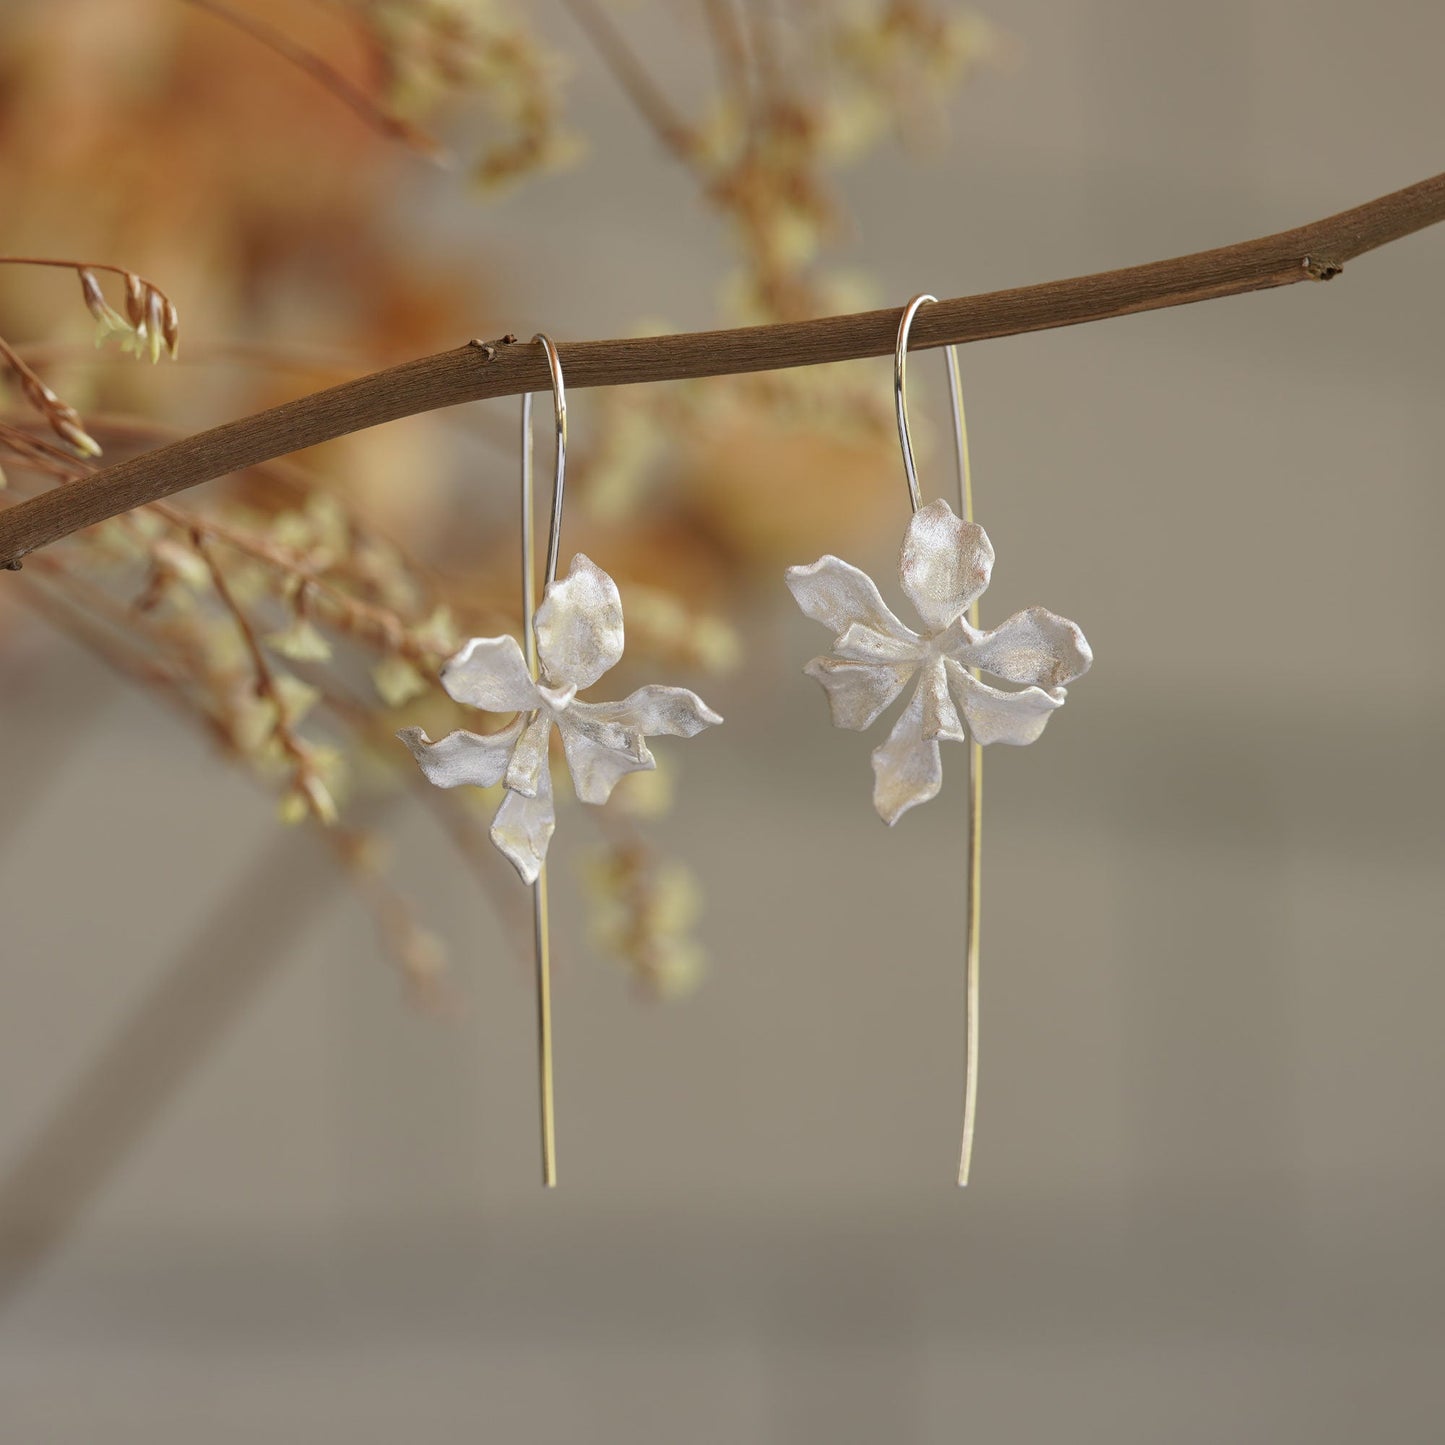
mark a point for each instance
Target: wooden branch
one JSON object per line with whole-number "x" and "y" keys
{"x": 506, "y": 368}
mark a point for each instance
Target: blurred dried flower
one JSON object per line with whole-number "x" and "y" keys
{"x": 644, "y": 911}
{"x": 431, "y": 52}
{"x": 286, "y": 614}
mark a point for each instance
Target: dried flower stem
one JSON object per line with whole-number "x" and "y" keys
{"x": 366, "y": 618}
{"x": 730, "y": 45}
{"x": 763, "y": 22}
{"x": 328, "y": 77}
{"x": 76, "y": 606}
{"x": 307, "y": 783}
{"x": 1314, "y": 252}
{"x": 150, "y": 314}
{"x": 40, "y": 455}
{"x": 77, "y": 266}
{"x": 64, "y": 420}
{"x": 632, "y": 76}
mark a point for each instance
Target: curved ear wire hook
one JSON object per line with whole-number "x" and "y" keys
{"x": 559, "y": 473}
{"x": 975, "y": 751}
{"x": 540, "y": 927}
{"x": 559, "y": 480}
{"x": 955, "y": 399}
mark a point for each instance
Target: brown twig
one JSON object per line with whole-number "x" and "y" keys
{"x": 473, "y": 372}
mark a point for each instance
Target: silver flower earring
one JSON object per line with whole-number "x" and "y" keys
{"x": 571, "y": 640}
{"x": 944, "y": 567}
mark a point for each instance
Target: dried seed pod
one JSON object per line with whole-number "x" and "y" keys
{"x": 110, "y": 321}
{"x": 135, "y": 301}
{"x": 154, "y": 322}
{"x": 37, "y": 393}
{"x": 65, "y": 422}
{"x": 170, "y": 326}
{"x": 94, "y": 297}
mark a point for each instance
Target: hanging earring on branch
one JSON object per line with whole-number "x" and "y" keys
{"x": 944, "y": 567}
{"x": 571, "y": 640}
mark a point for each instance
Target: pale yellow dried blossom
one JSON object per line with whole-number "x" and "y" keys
{"x": 301, "y": 641}
{"x": 108, "y": 321}
{"x": 318, "y": 778}
{"x": 253, "y": 723}
{"x": 438, "y": 634}
{"x": 629, "y": 440}
{"x": 397, "y": 682}
{"x": 647, "y": 795}
{"x": 663, "y": 626}
{"x": 644, "y": 912}
{"x": 319, "y": 799}
{"x": 183, "y": 563}
{"x": 439, "y": 51}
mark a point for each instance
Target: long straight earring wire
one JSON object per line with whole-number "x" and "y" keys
{"x": 975, "y": 804}
{"x": 570, "y": 638}
{"x": 540, "y": 921}
{"x": 975, "y": 751}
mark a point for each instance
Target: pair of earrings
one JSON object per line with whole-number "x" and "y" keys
{"x": 576, "y": 636}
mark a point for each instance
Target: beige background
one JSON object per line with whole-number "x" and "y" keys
{"x": 1210, "y": 1172}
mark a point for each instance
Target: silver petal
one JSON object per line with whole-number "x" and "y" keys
{"x": 490, "y": 673}
{"x": 556, "y": 697}
{"x": 529, "y": 757}
{"x": 655, "y": 710}
{"x": 523, "y": 827}
{"x": 600, "y": 754}
{"x": 995, "y": 716}
{"x": 858, "y": 691}
{"x": 606, "y": 740}
{"x": 579, "y": 625}
{"x": 838, "y": 595}
{"x": 860, "y": 643}
{"x": 945, "y": 563}
{"x": 907, "y": 768}
{"x": 940, "y": 716}
{"x": 1034, "y": 646}
{"x": 463, "y": 757}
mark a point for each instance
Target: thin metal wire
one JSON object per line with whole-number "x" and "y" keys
{"x": 900, "y": 395}
{"x": 975, "y": 752}
{"x": 540, "y": 925}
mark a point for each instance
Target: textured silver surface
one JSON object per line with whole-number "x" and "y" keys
{"x": 945, "y": 563}
{"x": 579, "y": 638}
